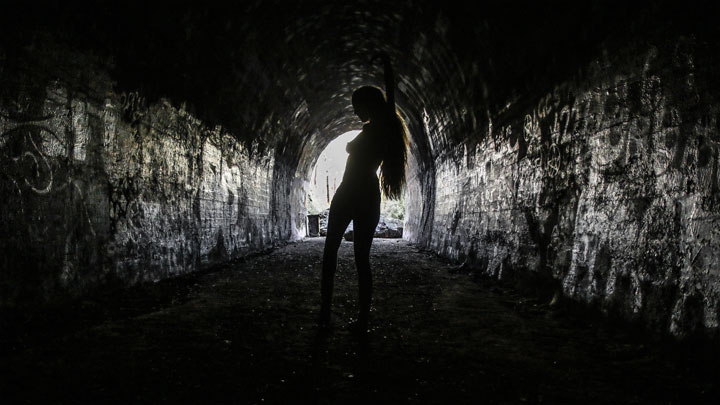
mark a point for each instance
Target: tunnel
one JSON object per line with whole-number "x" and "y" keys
{"x": 564, "y": 154}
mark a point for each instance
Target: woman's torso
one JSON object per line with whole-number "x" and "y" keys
{"x": 366, "y": 153}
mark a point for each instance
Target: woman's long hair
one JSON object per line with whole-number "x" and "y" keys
{"x": 392, "y": 169}
{"x": 371, "y": 100}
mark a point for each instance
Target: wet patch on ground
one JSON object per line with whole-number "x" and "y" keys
{"x": 245, "y": 333}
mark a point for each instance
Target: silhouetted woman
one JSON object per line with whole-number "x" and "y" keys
{"x": 382, "y": 143}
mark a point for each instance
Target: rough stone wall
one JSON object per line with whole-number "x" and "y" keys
{"x": 101, "y": 188}
{"x": 609, "y": 184}
{"x": 419, "y": 188}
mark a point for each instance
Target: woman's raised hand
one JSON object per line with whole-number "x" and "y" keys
{"x": 389, "y": 79}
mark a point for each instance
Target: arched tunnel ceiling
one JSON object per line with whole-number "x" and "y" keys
{"x": 278, "y": 77}
{"x": 279, "y": 72}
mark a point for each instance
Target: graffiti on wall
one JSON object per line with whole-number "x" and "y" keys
{"x": 42, "y": 176}
{"x": 122, "y": 194}
{"x": 25, "y": 164}
{"x": 133, "y": 106}
{"x": 548, "y": 129}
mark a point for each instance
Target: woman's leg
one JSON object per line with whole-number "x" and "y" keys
{"x": 364, "y": 231}
{"x": 338, "y": 220}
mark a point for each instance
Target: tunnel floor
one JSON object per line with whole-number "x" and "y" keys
{"x": 245, "y": 332}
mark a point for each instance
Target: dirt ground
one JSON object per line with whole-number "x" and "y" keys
{"x": 245, "y": 333}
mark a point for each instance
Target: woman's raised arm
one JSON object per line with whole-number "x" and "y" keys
{"x": 389, "y": 81}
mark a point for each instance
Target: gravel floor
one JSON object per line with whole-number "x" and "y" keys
{"x": 245, "y": 333}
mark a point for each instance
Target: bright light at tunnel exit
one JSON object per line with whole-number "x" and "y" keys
{"x": 328, "y": 173}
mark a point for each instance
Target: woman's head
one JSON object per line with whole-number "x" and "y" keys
{"x": 368, "y": 102}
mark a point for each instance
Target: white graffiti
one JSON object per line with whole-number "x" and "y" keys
{"x": 31, "y": 165}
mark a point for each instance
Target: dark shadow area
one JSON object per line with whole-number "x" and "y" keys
{"x": 27, "y": 326}
{"x": 208, "y": 56}
{"x": 246, "y": 333}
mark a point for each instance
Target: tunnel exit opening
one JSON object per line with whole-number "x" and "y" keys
{"x": 325, "y": 179}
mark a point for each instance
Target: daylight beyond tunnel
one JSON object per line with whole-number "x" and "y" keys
{"x": 324, "y": 181}
{"x": 572, "y": 143}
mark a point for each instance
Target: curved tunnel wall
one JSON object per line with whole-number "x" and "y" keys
{"x": 101, "y": 188}
{"x": 608, "y": 184}
{"x": 589, "y": 160}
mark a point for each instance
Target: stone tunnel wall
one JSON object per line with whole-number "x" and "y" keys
{"x": 609, "y": 184}
{"x": 101, "y": 188}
